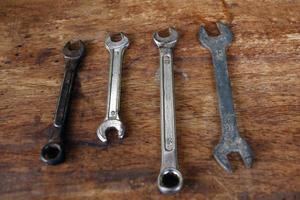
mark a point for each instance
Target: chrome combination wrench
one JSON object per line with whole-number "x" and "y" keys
{"x": 112, "y": 119}
{"x": 53, "y": 152}
{"x": 230, "y": 140}
{"x": 170, "y": 179}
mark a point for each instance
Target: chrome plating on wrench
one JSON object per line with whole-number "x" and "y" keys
{"x": 112, "y": 119}
{"x": 170, "y": 179}
{"x": 230, "y": 140}
{"x": 53, "y": 152}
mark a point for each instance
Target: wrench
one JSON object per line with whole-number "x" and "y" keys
{"x": 169, "y": 179}
{"x": 230, "y": 140}
{"x": 112, "y": 119}
{"x": 53, "y": 152}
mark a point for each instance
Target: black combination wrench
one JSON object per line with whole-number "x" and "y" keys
{"x": 53, "y": 152}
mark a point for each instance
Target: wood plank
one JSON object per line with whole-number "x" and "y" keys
{"x": 264, "y": 70}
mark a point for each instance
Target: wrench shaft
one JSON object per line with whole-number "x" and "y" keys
{"x": 65, "y": 93}
{"x": 168, "y": 129}
{"x": 226, "y": 109}
{"x": 114, "y": 85}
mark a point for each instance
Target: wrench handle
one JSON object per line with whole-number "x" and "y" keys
{"x": 167, "y": 111}
{"x": 169, "y": 179}
{"x": 226, "y": 109}
{"x": 65, "y": 93}
{"x": 114, "y": 84}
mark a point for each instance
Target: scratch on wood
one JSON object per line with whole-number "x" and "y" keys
{"x": 293, "y": 36}
{"x": 228, "y": 191}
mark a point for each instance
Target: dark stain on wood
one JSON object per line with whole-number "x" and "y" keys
{"x": 43, "y": 55}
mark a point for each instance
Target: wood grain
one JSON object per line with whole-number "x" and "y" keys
{"x": 264, "y": 70}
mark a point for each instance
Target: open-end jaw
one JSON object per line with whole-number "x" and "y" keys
{"x": 73, "y": 49}
{"x": 222, "y": 40}
{"x": 109, "y": 125}
{"x": 122, "y": 43}
{"x": 166, "y": 42}
{"x": 238, "y": 145}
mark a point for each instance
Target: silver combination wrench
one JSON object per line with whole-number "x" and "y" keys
{"x": 170, "y": 179}
{"x": 230, "y": 140}
{"x": 112, "y": 119}
{"x": 53, "y": 152}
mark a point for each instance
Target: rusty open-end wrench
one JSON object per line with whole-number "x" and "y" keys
{"x": 170, "y": 179}
{"x": 112, "y": 119}
{"x": 230, "y": 140}
{"x": 53, "y": 152}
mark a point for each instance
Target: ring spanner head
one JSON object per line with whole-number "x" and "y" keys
{"x": 52, "y": 153}
{"x": 169, "y": 181}
{"x": 166, "y": 42}
{"x": 110, "y": 44}
{"x": 109, "y": 125}
{"x": 222, "y": 40}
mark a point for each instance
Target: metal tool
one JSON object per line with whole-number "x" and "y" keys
{"x": 170, "y": 179}
{"x": 53, "y": 152}
{"x": 112, "y": 119}
{"x": 230, "y": 140}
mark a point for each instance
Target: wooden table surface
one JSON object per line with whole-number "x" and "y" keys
{"x": 265, "y": 75}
